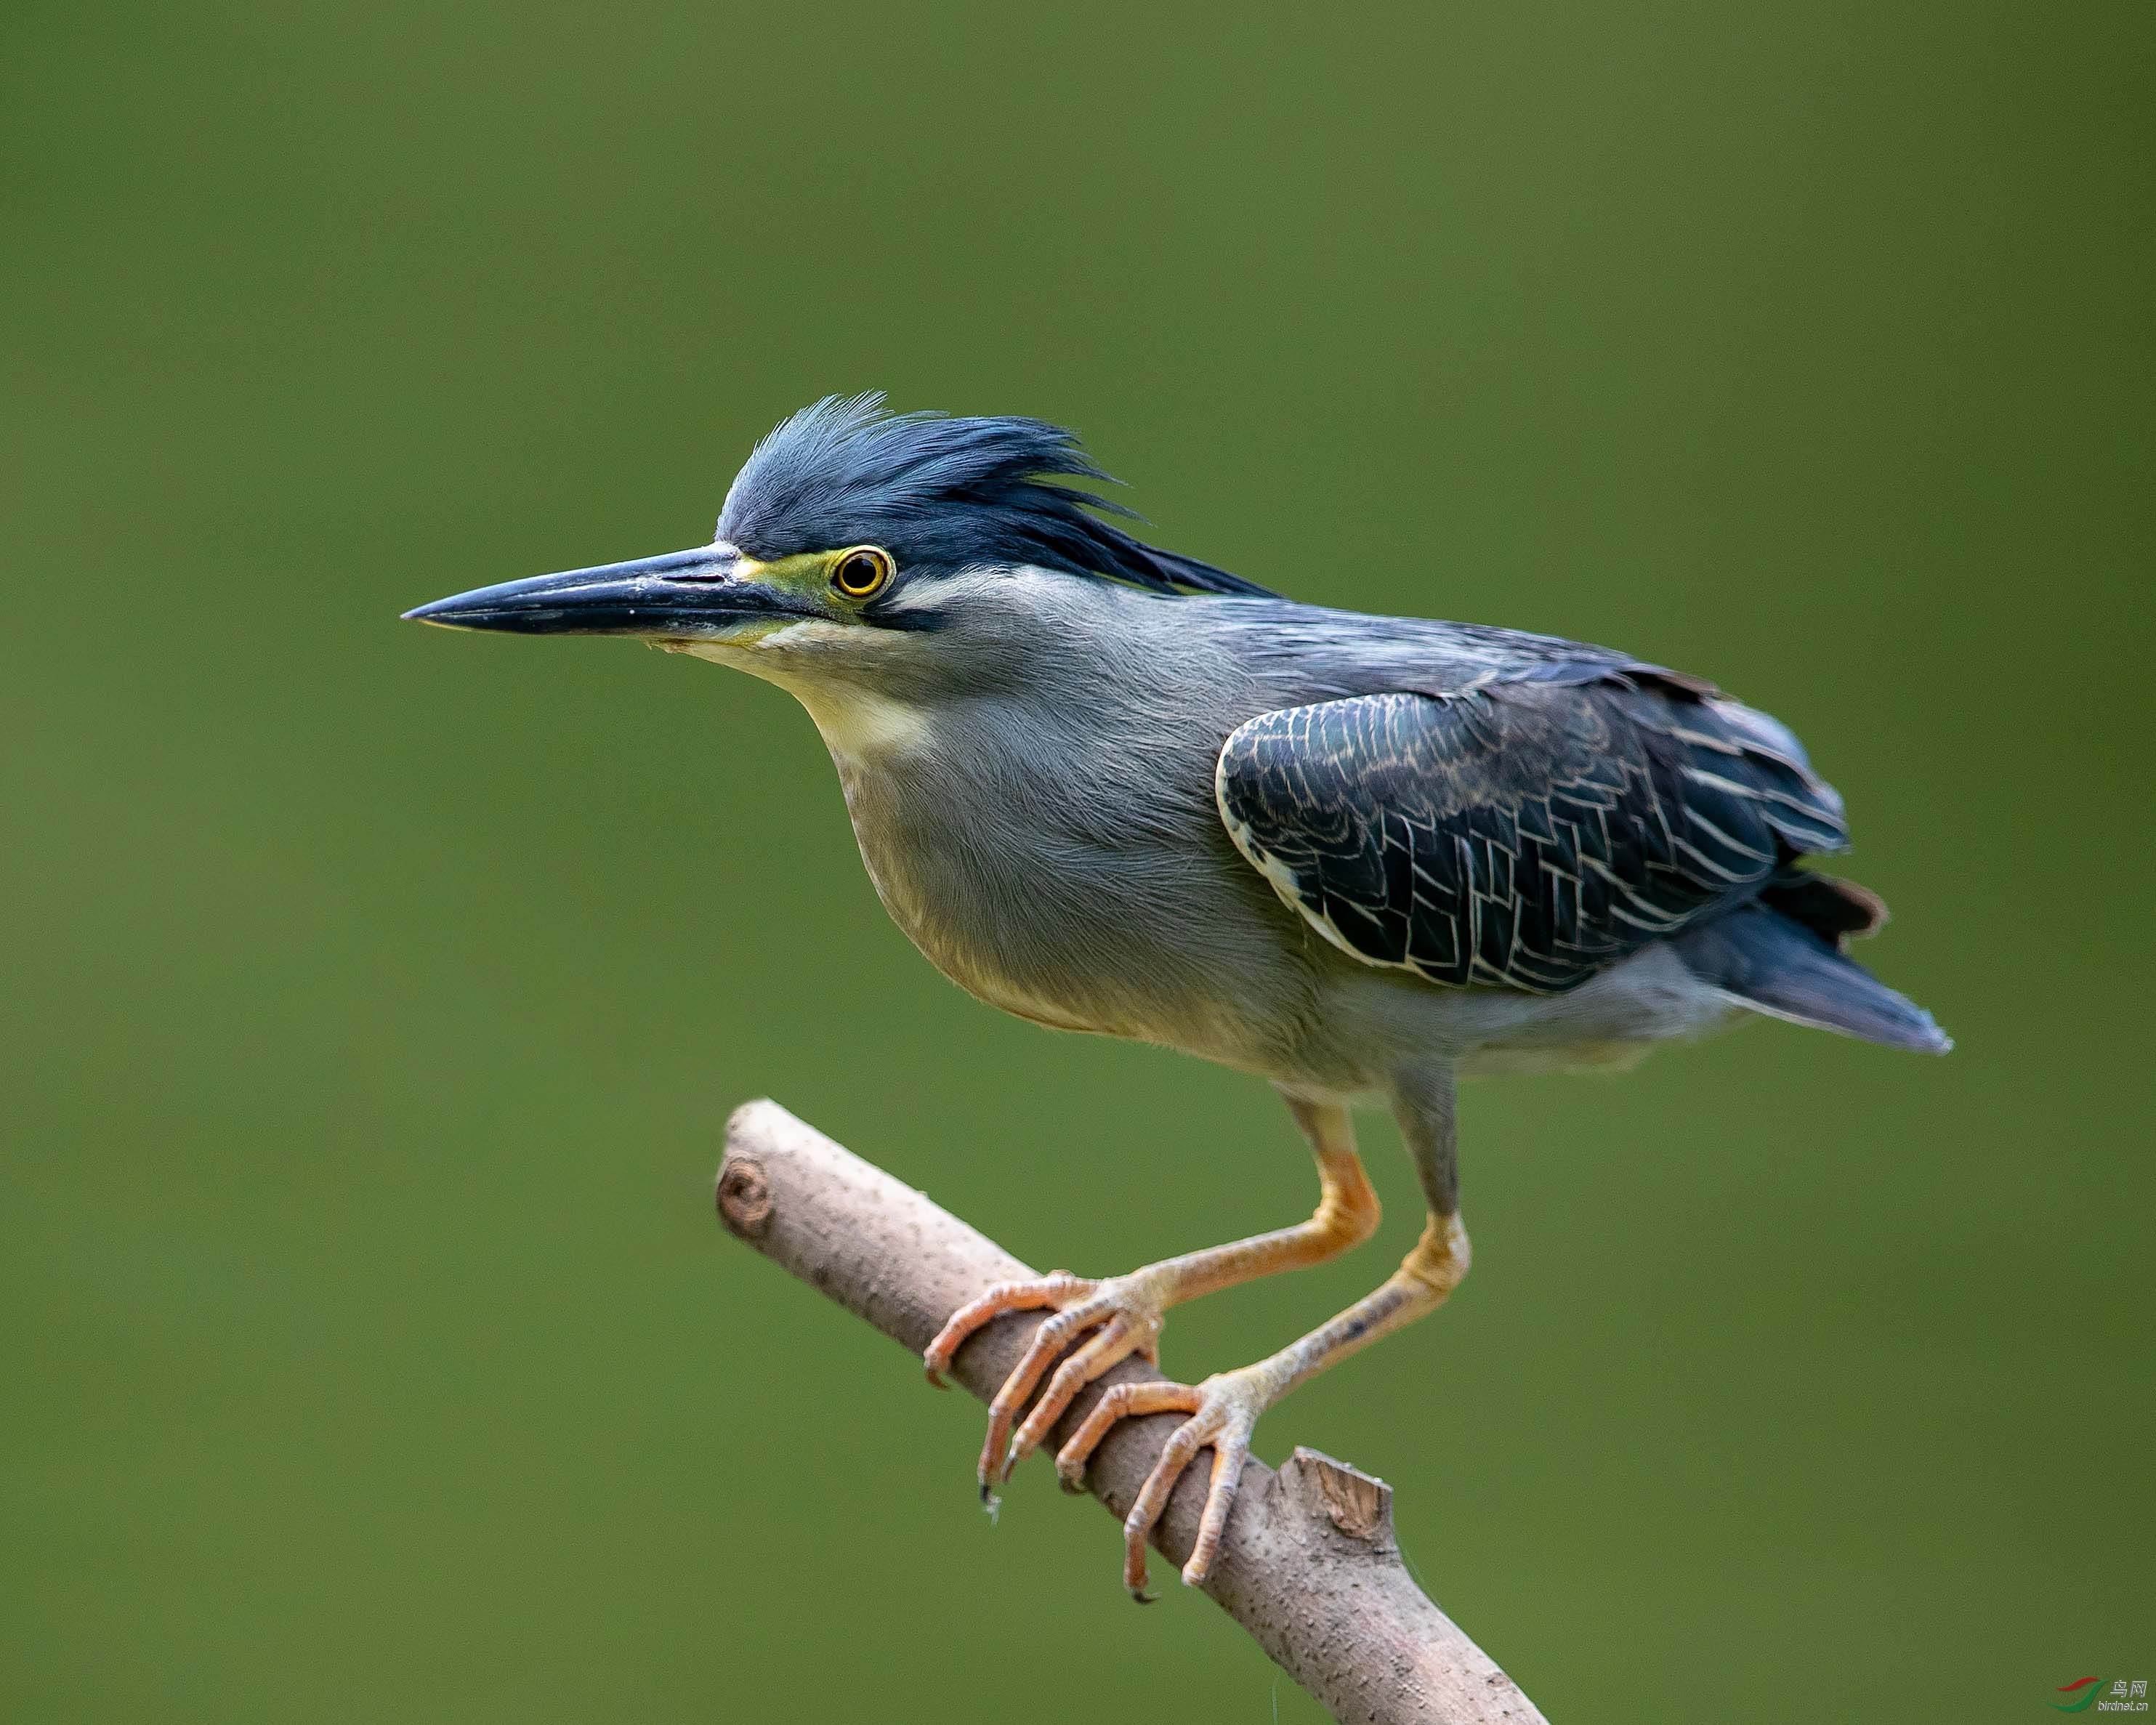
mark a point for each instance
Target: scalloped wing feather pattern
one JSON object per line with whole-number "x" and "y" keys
{"x": 1523, "y": 833}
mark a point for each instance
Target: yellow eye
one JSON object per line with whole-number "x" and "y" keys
{"x": 863, "y": 573}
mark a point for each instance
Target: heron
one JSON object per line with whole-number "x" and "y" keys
{"x": 1108, "y": 787}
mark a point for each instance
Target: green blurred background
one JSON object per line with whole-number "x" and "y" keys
{"x": 376, "y": 995}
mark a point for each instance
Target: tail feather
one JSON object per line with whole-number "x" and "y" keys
{"x": 1835, "y": 910}
{"x": 1767, "y": 959}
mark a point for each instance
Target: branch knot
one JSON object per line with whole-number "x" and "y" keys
{"x": 745, "y": 1199}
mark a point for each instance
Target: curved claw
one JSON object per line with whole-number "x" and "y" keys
{"x": 1230, "y": 1449}
{"x": 1115, "y": 1340}
{"x": 1051, "y": 1289}
{"x": 1125, "y": 1315}
{"x": 1048, "y": 1341}
{"x": 1223, "y": 1411}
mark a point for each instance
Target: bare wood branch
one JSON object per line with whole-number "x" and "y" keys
{"x": 1309, "y": 1566}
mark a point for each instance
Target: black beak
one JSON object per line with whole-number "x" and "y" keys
{"x": 683, "y": 594}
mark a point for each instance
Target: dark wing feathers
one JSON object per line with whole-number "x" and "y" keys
{"x": 1527, "y": 831}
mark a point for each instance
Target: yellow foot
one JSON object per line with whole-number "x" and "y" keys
{"x": 1223, "y": 1410}
{"x": 1123, "y": 1312}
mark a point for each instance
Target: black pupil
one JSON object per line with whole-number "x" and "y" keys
{"x": 860, "y": 573}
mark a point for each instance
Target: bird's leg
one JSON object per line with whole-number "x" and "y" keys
{"x": 1224, "y": 1408}
{"x": 1125, "y": 1313}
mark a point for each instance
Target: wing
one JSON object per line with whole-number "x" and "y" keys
{"x": 1523, "y": 833}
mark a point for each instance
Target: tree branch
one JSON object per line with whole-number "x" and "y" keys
{"x": 1309, "y": 1566}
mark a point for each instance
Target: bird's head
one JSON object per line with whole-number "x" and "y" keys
{"x": 853, "y": 544}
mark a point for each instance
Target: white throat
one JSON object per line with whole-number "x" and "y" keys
{"x": 857, "y": 723}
